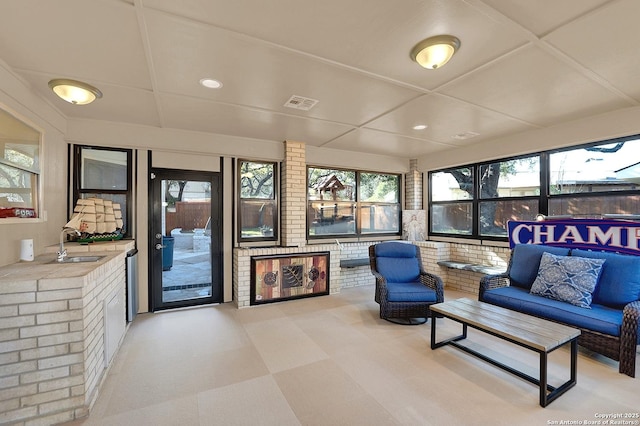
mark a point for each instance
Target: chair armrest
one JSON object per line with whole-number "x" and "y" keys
{"x": 489, "y": 282}
{"x": 629, "y": 338}
{"x": 630, "y": 320}
{"x": 435, "y": 283}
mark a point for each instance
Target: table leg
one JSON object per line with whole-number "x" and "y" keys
{"x": 435, "y": 345}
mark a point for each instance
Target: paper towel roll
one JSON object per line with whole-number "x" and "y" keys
{"x": 26, "y": 250}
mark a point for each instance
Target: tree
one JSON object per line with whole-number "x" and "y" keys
{"x": 172, "y": 184}
{"x": 256, "y": 180}
{"x": 489, "y": 179}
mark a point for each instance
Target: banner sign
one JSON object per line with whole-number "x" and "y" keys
{"x": 588, "y": 234}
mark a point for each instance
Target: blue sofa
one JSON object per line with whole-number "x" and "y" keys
{"x": 608, "y": 316}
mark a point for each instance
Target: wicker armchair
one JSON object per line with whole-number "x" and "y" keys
{"x": 619, "y": 348}
{"x": 403, "y": 290}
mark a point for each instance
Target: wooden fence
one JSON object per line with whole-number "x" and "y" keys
{"x": 188, "y": 216}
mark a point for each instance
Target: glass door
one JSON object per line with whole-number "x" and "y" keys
{"x": 185, "y": 258}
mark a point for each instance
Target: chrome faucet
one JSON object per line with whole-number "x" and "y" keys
{"x": 62, "y": 252}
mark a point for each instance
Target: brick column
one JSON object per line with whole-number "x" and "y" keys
{"x": 413, "y": 187}
{"x": 293, "y": 195}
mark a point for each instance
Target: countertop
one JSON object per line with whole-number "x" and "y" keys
{"x": 42, "y": 268}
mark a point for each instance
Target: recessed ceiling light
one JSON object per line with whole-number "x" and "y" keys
{"x": 419, "y": 127}
{"x": 210, "y": 83}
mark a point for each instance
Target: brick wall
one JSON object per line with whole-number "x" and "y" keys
{"x": 294, "y": 195}
{"x": 360, "y": 275}
{"x": 413, "y": 187}
{"x": 467, "y": 281}
{"x": 242, "y": 268}
{"x": 52, "y": 345}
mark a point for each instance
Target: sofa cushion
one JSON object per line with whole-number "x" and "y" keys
{"x": 410, "y": 292}
{"x": 619, "y": 282}
{"x": 568, "y": 279}
{"x": 600, "y": 318}
{"x": 525, "y": 261}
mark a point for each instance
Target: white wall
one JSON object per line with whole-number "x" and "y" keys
{"x": 20, "y": 101}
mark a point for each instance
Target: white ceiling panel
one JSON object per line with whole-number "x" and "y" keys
{"x": 261, "y": 74}
{"x": 372, "y": 35}
{"x": 118, "y": 104}
{"x": 446, "y": 118}
{"x": 542, "y": 16}
{"x": 206, "y": 116}
{"x": 522, "y": 65}
{"x": 93, "y": 40}
{"x": 383, "y": 143}
{"x": 536, "y": 87}
{"x": 609, "y": 48}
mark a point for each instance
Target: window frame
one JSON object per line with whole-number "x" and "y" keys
{"x": 544, "y": 198}
{"x": 78, "y": 191}
{"x": 36, "y": 173}
{"x": 267, "y": 239}
{"x": 357, "y": 207}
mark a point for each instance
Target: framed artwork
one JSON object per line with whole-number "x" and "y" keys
{"x": 414, "y": 225}
{"x": 290, "y": 276}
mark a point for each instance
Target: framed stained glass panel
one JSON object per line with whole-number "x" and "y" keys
{"x": 292, "y": 276}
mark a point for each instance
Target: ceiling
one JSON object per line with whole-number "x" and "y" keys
{"x": 522, "y": 65}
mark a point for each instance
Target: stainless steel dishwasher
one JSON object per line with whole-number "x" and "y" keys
{"x": 132, "y": 284}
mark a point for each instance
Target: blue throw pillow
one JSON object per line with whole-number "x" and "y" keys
{"x": 525, "y": 261}
{"x": 568, "y": 279}
{"x": 620, "y": 280}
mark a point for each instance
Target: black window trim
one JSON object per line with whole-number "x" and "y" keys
{"x": 358, "y": 235}
{"x": 543, "y": 199}
{"x": 270, "y": 240}
{"x": 77, "y": 190}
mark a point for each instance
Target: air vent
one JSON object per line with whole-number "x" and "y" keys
{"x": 465, "y": 135}
{"x": 300, "y": 102}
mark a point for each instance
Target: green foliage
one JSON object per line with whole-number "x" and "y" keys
{"x": 256, "y": 180}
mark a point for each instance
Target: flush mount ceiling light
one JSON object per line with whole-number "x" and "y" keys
{"x": 75, "y": 92}
{"x": 436, "y": 51}
{"x": 210, "y": 83}
{"x": 420, "y": 127}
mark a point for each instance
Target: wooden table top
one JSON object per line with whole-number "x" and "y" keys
{"x": 534, "y": 332}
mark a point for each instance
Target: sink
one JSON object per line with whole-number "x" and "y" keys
{"x": 78, "y": 259}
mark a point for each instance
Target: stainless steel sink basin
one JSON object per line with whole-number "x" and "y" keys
{"x": 78, "y": 259}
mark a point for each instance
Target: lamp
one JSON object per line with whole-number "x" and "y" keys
{"x": 436, "y": 51}
{"x": 75, "y": 92}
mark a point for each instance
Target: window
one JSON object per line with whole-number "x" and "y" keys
{"x": 509, "y": 190}
{"x": 258, "y": 202}
{"x": 610, "y": 170}
{"x": 352, "y": 203}
{"x": 19, "y": 168}
{"x": 452, "y": 192}
{"x": 104, "y": 173}
{"x": 480, "y": 199}
{"x": 590, "y": 180}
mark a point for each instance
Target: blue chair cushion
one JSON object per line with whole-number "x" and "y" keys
{"x": 410, "y": 292}
{"x": 619, "y": 282}
{"x": 525, "y": 261}
{"x": 395, "y": 249}
{"x": 599, "y": 318}
{"x": 397, "y": 262}
{"x": 567, "y": 278}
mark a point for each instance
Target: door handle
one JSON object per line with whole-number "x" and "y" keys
{"x": 159, "y": 246}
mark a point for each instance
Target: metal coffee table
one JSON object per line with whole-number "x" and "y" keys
{"x": 533, "y": 333}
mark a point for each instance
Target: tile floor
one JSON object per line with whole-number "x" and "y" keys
{"x": 331, "y": 360}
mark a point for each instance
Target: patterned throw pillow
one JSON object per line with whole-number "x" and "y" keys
{"x": 568, "y": 279}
